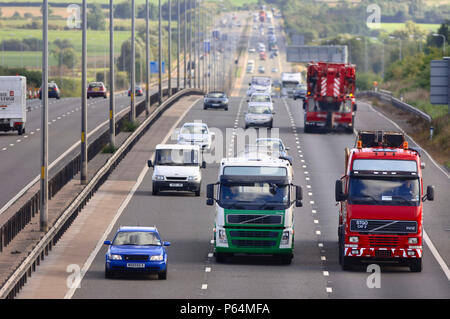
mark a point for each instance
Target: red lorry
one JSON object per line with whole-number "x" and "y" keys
{"x": 262, "y": 16}
{"x": 381, "y": 202}
{"x": 330, "y": 101}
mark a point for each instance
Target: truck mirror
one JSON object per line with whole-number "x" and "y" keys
{"x": 203, "y": 164}
{"x": 355, "y": 107}
{"x": 149, "y": 163}
{"x": 298, "y": 193}
{"x": 210, "y": 191}
{"x": 107, "y": 242}
{"x": 430, "y": 192}
{"x": 210, "y": 202}
{"x": 339, "y": 194}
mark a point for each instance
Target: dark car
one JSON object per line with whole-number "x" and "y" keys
{"x": 215, "y": 100}
{"x": 300, "y": 92}
{"x": 96, "y": 89}
{"x": 138, "y": 250}
{"x": 138, "y": 91}
{"x": 53, "y": 91}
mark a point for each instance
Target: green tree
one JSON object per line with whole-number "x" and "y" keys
{"x": 96, "y": 18}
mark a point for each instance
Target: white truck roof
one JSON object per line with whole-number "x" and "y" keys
{"x": 177, "y": 147}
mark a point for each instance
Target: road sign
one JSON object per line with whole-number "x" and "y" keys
{"x": 154, "y": 67}
{"x": 319, "y": 53}
{"x": 298, "y": 39}
{"x": 439, "y": 81}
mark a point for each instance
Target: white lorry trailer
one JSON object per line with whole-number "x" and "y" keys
{"x": 289, "y": 81}
{"x": 13, "y": 103}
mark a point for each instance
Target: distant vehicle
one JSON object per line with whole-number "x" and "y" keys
{"x": 138, "y": 91}
{"x": 215, "y": 99}
{"x": 53, "y": 91}
{"x": 251, "y": 50}
{"x": 261, "y": 99}
{"x": 275, "y": 146}
{"x": 216, "y": 34}
{"x": 196, "y": 134}
{"x": 262, "y": 56}
{"x": 289, "y": 81}
{"x": 250, "y": 66}
{"x": 13, "y": 103}
{"x": 300, "y": 92}
{"x": 136, "y": 249}
{"x": 274, "y": 70}
{"x": 261, "y": 69}
{"x": 261, "y": 84}
{"x": 176, "y": 167}
{"x": 96, "y": 89}
{"x": 258, "y": 115}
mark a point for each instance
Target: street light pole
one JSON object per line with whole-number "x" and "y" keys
{"x": 147, "y": 59}
{"x": 185, "y": 44}
{"x": 112, "y": 128}
{"x": 190, "y": 44}
{"x": 169, "y": 53}
{"x": 133, "y": 62}
{"x": 178, "y": 44}
{"x": 84, "y": 155}
{"x": 160, "y": 93}
{"x": 44, "y": 124}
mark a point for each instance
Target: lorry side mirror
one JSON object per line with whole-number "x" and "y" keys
{"x": 298, "y": 196}
{"x": 339, "y": 194}
{"x": 210, "y": 202}
{"x": 149, "y": 163}
{"x": 430, "y": 192}
{"x": 355, "y": 107}
{"x": 210, "y": 192}
{"x": 203, "y": 164}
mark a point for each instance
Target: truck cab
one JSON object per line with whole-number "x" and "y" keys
{"x": 381, "y": 198}
{"x": 177, "y": 168}
{"x": 254, "y": 200}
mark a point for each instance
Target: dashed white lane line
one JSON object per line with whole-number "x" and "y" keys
{"x": 204, "y": 286}
{"x": 208, "y": 269}
{"x": 4, "y": 149}
{"x": 329, "y": 289}
{"x": 326, "y": 273}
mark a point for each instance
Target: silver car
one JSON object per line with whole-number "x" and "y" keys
{"x": 258, "y": 115}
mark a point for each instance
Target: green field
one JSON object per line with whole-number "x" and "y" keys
{"x": 391, "y": 27}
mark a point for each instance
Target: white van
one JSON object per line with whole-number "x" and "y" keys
{"x": 13, "y": 103}
{"x": 176, "y": 168}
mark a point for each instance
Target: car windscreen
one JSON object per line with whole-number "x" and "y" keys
{"x": 216, "y": 95}
{"x": 270, "y": 144}
{"x": 138, "y": 238}
{"x": 260, "y": 98}
{"x": 384, "y": 191}
{"x": 193, "y": 129}
{"x": 176, "y": 157}
{"x": 256, "y": 109}
{"x": 95, "y": 85}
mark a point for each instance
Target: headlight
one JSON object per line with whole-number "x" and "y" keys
{"x": 115, "y": 257}
{"x": 159, "y": 177}
{"x": 285, "y": 238}
{"x": 156, "y": 258}
{"x": 353, "y": 239}
{"x": 222, "y": 236}
{"x": 413, "y": 240}
{"x": 193, "y": 178}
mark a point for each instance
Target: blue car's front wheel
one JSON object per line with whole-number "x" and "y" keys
{"x": 108, "y": 273}
{"x": 163, "y": 274}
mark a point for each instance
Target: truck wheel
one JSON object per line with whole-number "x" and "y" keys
{"x": 197, "y": 193}
{"x": 286, "y": 259}
{"x": 220, "y": 257}
{"x": 155, "y": 190}
{"x": 347, "y": 263}
{"x": 415, "y": 265}
{"x": 307, "y": 129}
{"x": 108, "y": 273}
{"x": 20, "y": 130}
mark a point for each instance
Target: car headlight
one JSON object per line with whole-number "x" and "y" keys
{"x": 157, "y": 258}
{"x": 222, "y": 236}
{"x": 159, "y": 177}
{"x": 115, "y": 257}
{"x": 193, "y": 178}
{"x": 413, "y": 240}
{"x": 353, "y": 239}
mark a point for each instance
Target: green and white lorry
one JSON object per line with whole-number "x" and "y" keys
{"x": 254, "y": 200}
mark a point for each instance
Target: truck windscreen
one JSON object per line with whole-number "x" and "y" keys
{"x": 257, "y": 195}
{"x": 176, "y": 157}
{"x": 387, "y": 191}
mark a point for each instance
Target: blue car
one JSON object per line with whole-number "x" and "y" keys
{"x": 136, "y": 249}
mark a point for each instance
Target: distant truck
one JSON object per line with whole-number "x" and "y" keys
{"x": 289, "y": 81}
{"x": 262, "y": 16}
{"x": 381, "y": 196}
{"x": 216, "y": 34}
{"x": 13, "y": 103}
{"x": 330, "y": 101}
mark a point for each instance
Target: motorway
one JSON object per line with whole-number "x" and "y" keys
{"x": 187, "y": 222}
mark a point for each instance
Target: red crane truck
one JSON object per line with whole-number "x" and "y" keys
{"x": 262, "y": 16}
{"x": 330, "y": 101}
{"x": 381, "y": 202}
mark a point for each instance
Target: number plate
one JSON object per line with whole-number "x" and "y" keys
{"x": 135, "y": 265}
{"x": 176, "y": 185}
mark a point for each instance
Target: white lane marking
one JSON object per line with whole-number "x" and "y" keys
{"x": 122, "y": 207}
{"x": 208, "y": 269}
{"x": 323, "y": 258}
{"x": 204, "y": 286}
{"x": 318, "y": 233}
{"x": 436, "y": 255}
{"x": 210, "y": 255}
{"x": 329, "y": 289}
{"x": 4, "y": 149}
{"x": 326, "y": 273}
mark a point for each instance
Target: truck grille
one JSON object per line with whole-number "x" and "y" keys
{"x": 383, "y": 241}
{"x": 383, "y": 226}
{"x": 135, "y": 257}
{"x": 255, "y": 234}
{"x": 254, "y": 219}
{"x": 172, "y": 178}
{"x": 253, "y": 243}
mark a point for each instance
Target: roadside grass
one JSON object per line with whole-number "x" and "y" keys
{"x": 391, "y": 27}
